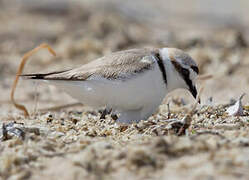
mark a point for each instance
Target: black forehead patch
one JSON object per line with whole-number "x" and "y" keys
{"x": 195, "y": 69}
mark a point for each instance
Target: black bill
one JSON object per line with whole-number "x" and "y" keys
{"x": 193, "y": 91}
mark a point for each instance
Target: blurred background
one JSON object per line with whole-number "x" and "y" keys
{"x": 214, "y": 33}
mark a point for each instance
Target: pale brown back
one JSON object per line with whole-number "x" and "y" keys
{"x": 112, "y": 66}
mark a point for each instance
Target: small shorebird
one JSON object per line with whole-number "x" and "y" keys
{"x": 132, "y": 83}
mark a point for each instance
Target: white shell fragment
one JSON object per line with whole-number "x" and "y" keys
{"x": 236, "y": 109}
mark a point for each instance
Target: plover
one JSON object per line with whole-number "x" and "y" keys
{"x": 133, "y": 83}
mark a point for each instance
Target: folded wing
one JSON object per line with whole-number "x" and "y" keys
{"x": 113, "y": 66}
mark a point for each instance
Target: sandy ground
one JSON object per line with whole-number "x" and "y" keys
{"x": 74, "y": 143}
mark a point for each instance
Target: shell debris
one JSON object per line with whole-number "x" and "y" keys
{"x": 237, "y": 108}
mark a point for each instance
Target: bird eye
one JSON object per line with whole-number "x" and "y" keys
{"x": 185, "y": 72}
{"x": 195, "y": 68}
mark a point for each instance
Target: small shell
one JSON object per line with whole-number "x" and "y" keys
{"x": 237, "y": 108}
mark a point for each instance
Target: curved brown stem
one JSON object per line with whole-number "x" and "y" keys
{"x": 204, "y": 77}
{"x": 20, "y": 70}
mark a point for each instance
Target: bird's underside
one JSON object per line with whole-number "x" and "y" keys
{"x": 133, "y": 98}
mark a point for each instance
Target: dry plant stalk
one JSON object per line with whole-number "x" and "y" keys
{"x": 188, "y": 118}
{"x": 204, "y": 77}
{"x": 180, "y": 126}
{"x": 207, "y": 132}
{"x": 19, "y": 72}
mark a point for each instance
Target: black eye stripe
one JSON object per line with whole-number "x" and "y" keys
{"x": 195, "y": 68}
{"x": 185, "y": 75}
{"x": 185, "y": 72}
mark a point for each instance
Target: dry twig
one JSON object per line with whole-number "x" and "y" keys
{"x": 178, "y": 126}
{"x": 204, "y": 77}
{"x": 207, "y": 132}
{"x": 186, "y": 121}
{"x": 19, "y": 72}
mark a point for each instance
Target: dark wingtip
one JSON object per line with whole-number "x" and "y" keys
{"x": 33, "y": 76}
{"x": 40, "y": 75}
